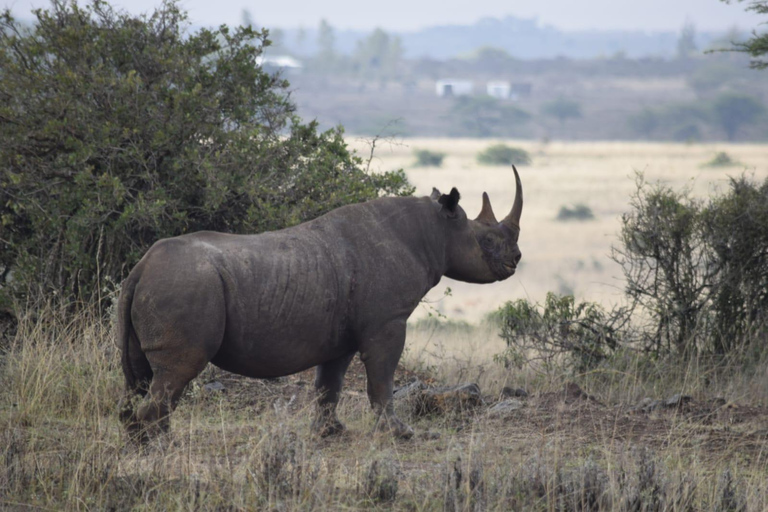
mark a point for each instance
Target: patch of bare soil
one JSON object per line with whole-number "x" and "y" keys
{"x": 713, "y": 426}
{"x": 570, "y": 416}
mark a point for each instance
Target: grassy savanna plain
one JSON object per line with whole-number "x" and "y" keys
{"x": 576, "y": 442}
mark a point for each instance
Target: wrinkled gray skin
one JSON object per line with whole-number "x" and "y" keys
{"x": 312, "y": 295}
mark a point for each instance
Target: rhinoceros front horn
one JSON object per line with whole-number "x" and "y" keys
{"x": 512, "y": 220}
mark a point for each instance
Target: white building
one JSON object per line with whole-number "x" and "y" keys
{"x": 500, "y": 90}
{"x": 452, "y": 87}
{"x": 284, "y": 63}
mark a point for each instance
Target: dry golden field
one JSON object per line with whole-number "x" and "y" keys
{"x": 559, "y": 256}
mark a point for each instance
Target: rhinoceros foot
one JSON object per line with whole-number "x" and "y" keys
{"x": 392, "y": 425}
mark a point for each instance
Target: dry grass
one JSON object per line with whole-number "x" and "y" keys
{"x": 560, "y": 256}
{"x": 250, "y": 447}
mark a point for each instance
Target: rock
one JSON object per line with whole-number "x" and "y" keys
{"x": 510, "y": 392}
{"x": 646, "y": 405}
{"x": 505, "y": 408}
{"x": 214, "y": 386}
{"x": 409, "y": 389}
{"x": 446, "y": 399}
{"x": 572, "y": 393}
{"x": 677, "y": 400}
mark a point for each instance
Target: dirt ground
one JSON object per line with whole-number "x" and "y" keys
{"x": 711, "y": 427}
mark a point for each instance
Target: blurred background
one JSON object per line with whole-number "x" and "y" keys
{"x": 580, "y": 95}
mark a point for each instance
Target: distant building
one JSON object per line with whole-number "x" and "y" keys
{"x": 500, "y": 90}
{"x": 282, "y": 63}
{"x": 451, "y": 87}
{"x": 508, "y": 91}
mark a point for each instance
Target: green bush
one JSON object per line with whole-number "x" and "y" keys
{"x": 561, "y": 333}
{"x": 722, "y": 159}
{"x": 501, "y": 154}
{"x": 117, "y": 130}
{"x": 698, "y": 269}
{"x": 575, "y": 212}
{"x": 427, "y": 158}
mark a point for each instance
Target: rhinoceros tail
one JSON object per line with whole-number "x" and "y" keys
{"x": 136, "y": 368}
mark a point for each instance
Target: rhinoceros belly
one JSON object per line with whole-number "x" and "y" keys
{"x": 285, "y": 310}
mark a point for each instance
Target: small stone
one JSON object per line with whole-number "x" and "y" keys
{"x": 677, "y": 400}
{"x": 511, "y": 392}
{"x": 214, "y": 386}
{"x": 505, "y": 408}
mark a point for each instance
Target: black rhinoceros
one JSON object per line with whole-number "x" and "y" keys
{"x": 315, "y": 294}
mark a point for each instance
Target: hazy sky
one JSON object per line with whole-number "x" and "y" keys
{"x": 403, "y": 15}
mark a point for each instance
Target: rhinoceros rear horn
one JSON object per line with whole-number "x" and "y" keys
{"x": 486, "y": 213}
{"x": 513, "y": 219}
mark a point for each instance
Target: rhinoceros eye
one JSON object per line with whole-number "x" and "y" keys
{"x": 489, "y": 243}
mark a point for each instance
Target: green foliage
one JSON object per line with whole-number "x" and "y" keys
{"x": 731, "y": 111}
{"x": 722, "y": 159}
{"x": 736, "y": 229}
{"x": 686, "y": 44}
{"x": 485, "y": 116}
{"x": 699, "y": 270}
{"x": 562, "y": 109}
{"x": 378, "y": 55}
{"x": 116, "y": 131}
{"x": 501, "y": 154}
{"x": 561, "y": 332}
{"x": 757, "y": 46}
{"x": 427, "y": 158}
{"x": 576, "y": 212}
{"x": 666, "y": 264}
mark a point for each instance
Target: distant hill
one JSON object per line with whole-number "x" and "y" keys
{"x": 521, "y": 38}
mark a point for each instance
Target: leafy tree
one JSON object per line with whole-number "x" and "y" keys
{"x": 757, "y": 45}
{"x": 686, "y": 44}
{"x": 733, "y": 110}
{"x": 562, "y": 109}
{"x": 666, "y": 264}
{"x": 485, "y": 116}
{"x": 326, "y": 42}
{"x": 378, "y": 54}
{"x": 735, "y": 227}
{"x": 698, "y": 269}
{"x": 117, "y": 130}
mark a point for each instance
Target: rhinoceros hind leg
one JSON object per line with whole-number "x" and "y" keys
{"x": 171, "y": 376}
{"x": 328, "y": 383}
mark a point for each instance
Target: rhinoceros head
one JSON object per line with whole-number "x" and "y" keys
{"x": 482, "y": 250}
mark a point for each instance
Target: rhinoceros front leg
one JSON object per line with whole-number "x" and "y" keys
{"x": 380, "y": 352}
{"x": 328, "y": 382}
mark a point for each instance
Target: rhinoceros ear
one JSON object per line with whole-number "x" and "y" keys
{"x": 435, "y": 195}
{"x": 451, "y": 201}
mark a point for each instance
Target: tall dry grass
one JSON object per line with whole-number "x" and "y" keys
{"x": 63, "y": 447}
